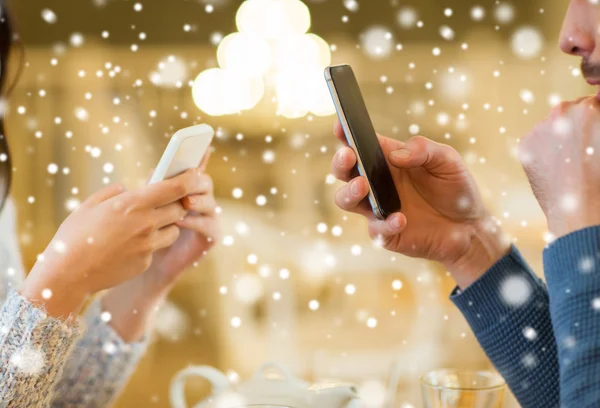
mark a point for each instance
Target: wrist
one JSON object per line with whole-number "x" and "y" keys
{"x": 132, "y": 307}
{"x": 562, "y": 226}
{"x": 488, "y": 245}
{"x": 139, "y": 296}
{"x": 58, "y": 298}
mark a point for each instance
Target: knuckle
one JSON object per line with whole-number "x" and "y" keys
{"x": 419, "y": 140}
{"x": 206, "y": 182}
{"x": 118, "y": 187}
{"x": 148, "y": 227}
{"x": 450, "y": 153}
{"x": 179, "y": 188}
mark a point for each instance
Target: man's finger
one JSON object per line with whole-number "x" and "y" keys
{"x": 338, "y": 131}
{"x": 343, "y": 164}
{"x": 421, "y": 152}
{"x": 394, "y": 224}
{"x": 352, "y": 197}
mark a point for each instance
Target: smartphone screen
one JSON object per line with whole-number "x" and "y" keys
{"x": 361, "y": 135}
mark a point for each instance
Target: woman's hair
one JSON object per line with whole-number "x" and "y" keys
{"x": 6, "y": 40}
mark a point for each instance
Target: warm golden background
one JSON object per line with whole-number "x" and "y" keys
{"x": 417, "y": 326}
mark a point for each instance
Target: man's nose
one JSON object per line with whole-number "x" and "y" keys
{"x": 576, "y": 42}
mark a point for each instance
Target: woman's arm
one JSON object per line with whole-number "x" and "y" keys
{"x": 116, "y": 338}
{"x": 508, "y": 310}
{"x": 33, "y": 349}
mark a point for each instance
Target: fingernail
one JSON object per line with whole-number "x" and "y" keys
{"x": 354, "y": 188}
{"x": 396, "y": 223}
{"x": 340, "y": 158}
{"x": 401, "y": 154}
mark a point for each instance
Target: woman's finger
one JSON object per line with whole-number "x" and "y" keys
{"x": 343, "y": 165}
{"x": 200, "y": 203}
{"x": 204, "y": 224}
{"x": 104, "y": 194}
{"x": 169, "y": 214}
{"x": 165, "y": 237}
{"x": 205, "y": 160}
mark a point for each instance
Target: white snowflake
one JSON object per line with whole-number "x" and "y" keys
{"x": 569, "y": 342}
{"x": 527, "y": 42}
{"x": 49, "y": 16}
{"x": 248, "y": 289}
{"x": 109, "y": 348}
{"x": 377, "y": 42}
{"x": 407, "y": 17}
{"x": 529, "y": 360}
{"x": 515, "y": 290}
{"x": 28, "y": 360}
{"x": 569, "y": 203}
{"x": 586, "y": 264}
{"x": 530, "y": 333}
{"x": 504, "y": 13}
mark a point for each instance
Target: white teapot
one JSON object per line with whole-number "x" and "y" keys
{"x": 273, "y": 386}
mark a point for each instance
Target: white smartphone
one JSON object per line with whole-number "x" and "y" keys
{"x": 185, "y": 151}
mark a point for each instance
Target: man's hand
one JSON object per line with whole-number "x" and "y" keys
{"x": 443, "y": 217}
{"x": 561, "y": 157}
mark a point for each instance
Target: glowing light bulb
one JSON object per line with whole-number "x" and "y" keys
{"x": 296, "y": 53}
{"x": 292, "y": 96}
{"x": 324, "y": 50}
{"x": 246, "y": 54}
{"x": 319, "y": 101}
{"x": 220, "y": 92}
{"x": 272, "y": 19}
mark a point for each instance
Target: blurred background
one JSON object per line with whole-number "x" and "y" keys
{"x": 294, "y": 280}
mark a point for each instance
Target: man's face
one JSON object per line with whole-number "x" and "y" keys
{"x": 580, "y": 36}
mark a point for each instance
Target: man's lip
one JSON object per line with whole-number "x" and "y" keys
{"x": 593, "y": 81}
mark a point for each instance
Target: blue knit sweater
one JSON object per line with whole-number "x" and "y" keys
{"x": 544, "y": 340}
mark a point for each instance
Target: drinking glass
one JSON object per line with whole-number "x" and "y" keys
{"x": 462, "y": 389}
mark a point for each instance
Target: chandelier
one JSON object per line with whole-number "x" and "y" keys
{"x": 271, "y": 53}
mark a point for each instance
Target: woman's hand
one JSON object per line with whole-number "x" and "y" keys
{"x": 132, "y": 304}
{"x": 199, "y": 233}
{"x": 108, "y": 240}
{"x": 443, "y": 217}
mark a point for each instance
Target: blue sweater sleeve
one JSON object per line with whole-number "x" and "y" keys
{"x": 572, "y": 268}
{"x": 508, "y": 310}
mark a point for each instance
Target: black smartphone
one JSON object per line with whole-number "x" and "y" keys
{"x": 362, "y": 138}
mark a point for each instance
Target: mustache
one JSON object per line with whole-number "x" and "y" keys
{"x": 590, "y": 69}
